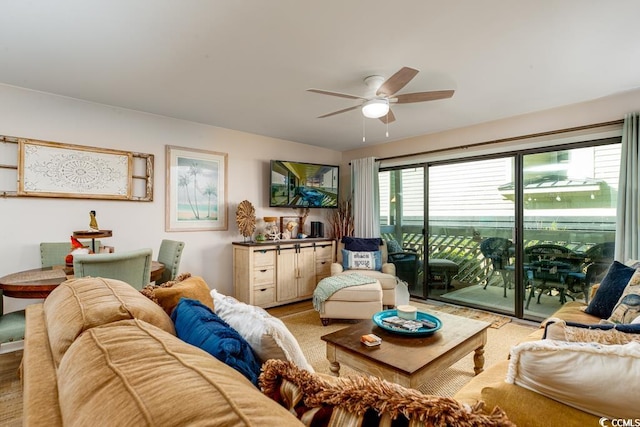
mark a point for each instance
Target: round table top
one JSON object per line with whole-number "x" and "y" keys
{"x": 39, "y": 282}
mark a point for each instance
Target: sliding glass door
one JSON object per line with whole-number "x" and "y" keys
{"x": 471, "y": 228}
{"x": 519, "y": 233}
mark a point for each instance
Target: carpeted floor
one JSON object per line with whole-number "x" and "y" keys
{"x": 308, "y": 329}
{"x": 10, "y": 389}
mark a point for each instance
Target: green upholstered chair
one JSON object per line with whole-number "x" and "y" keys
{"x": 54, "y": 253}
{"x": 11, "y": 324}
{"x": 170, "y": 254}
{"x": 132, "y": 267}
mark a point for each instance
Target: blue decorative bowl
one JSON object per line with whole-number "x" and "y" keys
{"x": 422, "y": 332}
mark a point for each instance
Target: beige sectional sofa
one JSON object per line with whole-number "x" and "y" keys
{"x": 98, "y": 352}
{"x": 572, "y": 367}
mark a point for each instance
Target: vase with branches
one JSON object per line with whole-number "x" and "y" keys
{"x": 341, "y": 220}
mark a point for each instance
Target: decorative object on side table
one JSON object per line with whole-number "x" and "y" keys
{"x": 271, "y": 230}
{"x": 246, "y": 219}
{"x": 93, "y": 222}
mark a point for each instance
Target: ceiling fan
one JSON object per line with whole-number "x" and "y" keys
{"x": 383, "y": 94}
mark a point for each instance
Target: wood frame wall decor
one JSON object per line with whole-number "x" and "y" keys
{"x": 196, "y": 190}
{"x": 53, "y": 169}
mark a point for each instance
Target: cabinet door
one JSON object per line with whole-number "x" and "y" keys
{"x": 287, "y": 286}
{"x": 306, "y": 266}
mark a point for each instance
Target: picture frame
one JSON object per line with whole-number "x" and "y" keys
{"x": 284, "y": 221}
{"x": 52, "y": 169}
{"x": 196, "y": 190}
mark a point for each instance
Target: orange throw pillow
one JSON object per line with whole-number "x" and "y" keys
{"x": 192, "y": 287}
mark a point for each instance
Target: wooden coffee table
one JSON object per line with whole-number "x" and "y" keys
{"x": 409, "y": 361}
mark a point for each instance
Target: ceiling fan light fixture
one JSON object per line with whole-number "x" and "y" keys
{"x": 375, "y": 108}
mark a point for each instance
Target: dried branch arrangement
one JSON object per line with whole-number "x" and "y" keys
{"x": 341, "y": 220}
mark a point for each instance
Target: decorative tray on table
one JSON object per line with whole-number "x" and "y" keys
{"x": 424, "y": 324}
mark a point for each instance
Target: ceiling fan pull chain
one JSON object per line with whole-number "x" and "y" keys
{"x": 387, "y": 124}
{"x": 363, "y": 130}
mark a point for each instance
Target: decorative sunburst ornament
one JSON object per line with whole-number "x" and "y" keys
{"x": 246, "y": 219}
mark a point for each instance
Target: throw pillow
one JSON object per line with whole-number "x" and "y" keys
{"x": 393, "y": 246}
{"x": 197, "y": 325}
{"x": 361, "y": 260}
{"x": 595, "y": 378}
{"x": 628, "y": 306}
{"x": 610, "y": 290}
{"x": 360, "y": 400}
{"x": 267, "y": 335}
{"x": 169, "y": 293}
{"x": 558, "y": 329}
{"x": 360, "y": 244}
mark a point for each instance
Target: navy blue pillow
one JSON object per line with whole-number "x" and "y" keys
{"x": 197, "y": 325}
{"x": 360, "y": 244}
{"x": 610, "y": 290}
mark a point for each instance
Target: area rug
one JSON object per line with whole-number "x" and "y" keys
{"x": 308, "y": 329}
{"x": 497, "y": 321}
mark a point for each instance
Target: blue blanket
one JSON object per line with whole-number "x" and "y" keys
{"x": 330, "y": 285}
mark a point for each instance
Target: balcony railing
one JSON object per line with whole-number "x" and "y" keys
{"x": 464, "y": 249}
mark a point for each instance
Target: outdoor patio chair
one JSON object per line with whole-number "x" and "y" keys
{"x": 496, "y": 251}
{"x": 597, "y": 260}
{"x": 547, "y": 267}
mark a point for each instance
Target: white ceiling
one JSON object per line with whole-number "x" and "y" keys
{"x": 246, "y": 64}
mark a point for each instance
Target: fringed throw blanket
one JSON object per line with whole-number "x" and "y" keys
{"x": 330, "y": 285}
{"x": 366, "y": 401}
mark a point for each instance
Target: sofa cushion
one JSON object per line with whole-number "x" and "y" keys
{"x": 197, "y": 325}
{"x": 582, "y": 375}
{"x": 132, "y": 373}
{"x": 558, "y": 329}
{"x": 267, "y": 335}
{"x": 366, "y": 260}
{"x": 365, "y": 400}
{"x": 80, "y": 304}
{"x": 628, "y": 306}
{"x": 169, "y": 293}
{"x": 610, "y": 290}
{"x": 361, "y": 244}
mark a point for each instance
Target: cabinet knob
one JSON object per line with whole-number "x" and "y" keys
{"x": 262, "y": 271}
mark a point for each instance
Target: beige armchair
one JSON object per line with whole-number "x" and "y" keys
{"x": 386, "y": 277}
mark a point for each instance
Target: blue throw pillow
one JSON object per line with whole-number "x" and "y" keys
{"x": 367, "y": 260}
{"x": 610, "y": 290}
{"x": 197, "y": 325}
{"x": 360, "y": 244}
{"x": 393, "y": 246}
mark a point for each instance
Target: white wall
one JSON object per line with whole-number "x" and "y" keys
{"x": 601, "y": 110}
{"x": 25, "y": 222}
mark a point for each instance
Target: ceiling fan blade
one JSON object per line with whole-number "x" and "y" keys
{"x": 388, "y": 118}
{"x": 407, "y": 98}
{"x": 339, "y": 112}
{"x": 341, "y": 95}
{"x": 397, "y": 81}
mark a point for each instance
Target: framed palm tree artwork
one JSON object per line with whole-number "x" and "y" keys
{"x": 196, "y": 190}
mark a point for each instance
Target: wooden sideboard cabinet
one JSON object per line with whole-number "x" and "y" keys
{"x": 275, "y": 273}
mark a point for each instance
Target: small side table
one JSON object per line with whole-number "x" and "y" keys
{"x": 93, "y": 235}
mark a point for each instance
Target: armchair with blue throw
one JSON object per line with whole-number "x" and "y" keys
{"x": 379, "y": 268}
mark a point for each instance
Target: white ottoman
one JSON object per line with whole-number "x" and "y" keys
{"x": 353, "y": 302}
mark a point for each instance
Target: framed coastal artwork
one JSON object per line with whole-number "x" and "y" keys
{"x": 196, "y": 190}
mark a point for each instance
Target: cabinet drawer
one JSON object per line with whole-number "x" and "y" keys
{"x": 325, "y": 252}
{"x": 323, "y": 267}
{"x": 264, "y": 296}
{"x": 264, "y": 276}
{"x": 264, "y": 258}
